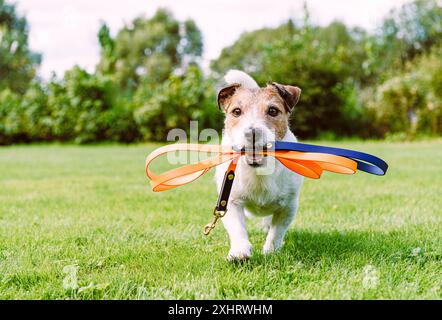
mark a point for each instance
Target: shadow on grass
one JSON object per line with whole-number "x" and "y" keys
{"x": 334, "y": 247}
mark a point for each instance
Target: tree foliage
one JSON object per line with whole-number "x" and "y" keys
{"x": 411, "y": 102}
{"x": 149, "y": 80}
{"x": 149, "y": 49}
{"x": 324, "y": 62}
{"x": 176, "y": 102}
{"x": 17, "y": 62}
{"x": 338, "y": 67}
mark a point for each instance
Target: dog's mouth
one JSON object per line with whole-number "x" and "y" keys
{"x": 253, "y": 155}
{"x": 255, "y": 160}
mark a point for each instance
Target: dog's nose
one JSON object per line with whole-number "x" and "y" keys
{"x": 252, "y": 134}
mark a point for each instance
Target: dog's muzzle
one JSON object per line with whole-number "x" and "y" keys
{"x": 255, "y": 145}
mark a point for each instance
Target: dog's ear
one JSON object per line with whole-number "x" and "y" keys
{"x": 289, "y": 94}
{"x": 225, "y": 94}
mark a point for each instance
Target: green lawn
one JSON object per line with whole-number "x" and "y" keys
{"x": 81, "y": 223}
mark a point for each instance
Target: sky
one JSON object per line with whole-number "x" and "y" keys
{"x": 65, "y": 31}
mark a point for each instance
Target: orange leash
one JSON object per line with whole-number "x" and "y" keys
{"x": 308, "y": 164}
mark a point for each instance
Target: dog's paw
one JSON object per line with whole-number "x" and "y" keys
{"x": 240, "y": 253}
{"x": 270, "y": 248}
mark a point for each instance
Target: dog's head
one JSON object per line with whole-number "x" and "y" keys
{"x": 256, "y": 116}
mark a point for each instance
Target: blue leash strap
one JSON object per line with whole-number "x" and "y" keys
{"x": 366, "y": 162}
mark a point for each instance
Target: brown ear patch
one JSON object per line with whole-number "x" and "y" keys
{"x": 225, "y": 94}
{"x": 289, "y": 94}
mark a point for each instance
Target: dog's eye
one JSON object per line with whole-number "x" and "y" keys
{"x": 236, "y": 112}
{"x": 273, "y": 111}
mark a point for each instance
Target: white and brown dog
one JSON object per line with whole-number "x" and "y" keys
{"x": 263, "y": 187}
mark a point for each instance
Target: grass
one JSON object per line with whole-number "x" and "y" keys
{"x": 81, "y": 223}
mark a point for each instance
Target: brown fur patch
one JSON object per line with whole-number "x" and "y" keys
{"x": 261, "y": 99}
{"x": 289, "y": 94}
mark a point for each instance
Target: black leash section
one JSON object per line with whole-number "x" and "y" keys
{"x": 223, "y": 199}
{"x": 226, "y": 187}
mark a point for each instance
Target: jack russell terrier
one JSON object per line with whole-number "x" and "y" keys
{"x": 263, "y": 186}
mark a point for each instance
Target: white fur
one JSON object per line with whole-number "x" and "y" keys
{"x": 255, "y": 192}
{"x": 240, "y": 77}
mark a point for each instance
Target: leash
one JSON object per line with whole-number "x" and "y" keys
{"x": 305, "y": 159}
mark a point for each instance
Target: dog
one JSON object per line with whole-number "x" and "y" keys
{"x": 264, "y": 188}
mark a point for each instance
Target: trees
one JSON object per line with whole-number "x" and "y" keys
{"x": 414, "y": 28}
{"x": 17, "y": 62}
{"x": 153, "y": 64}
{"x": 17, "y": 69}
{"x": 246, "y": 53}
{"x": 324, "y": 62}
{"x": 410, "y": 102}
{"x": 148, "y": 80}
{"x": 345, "y": 72}
{"x": 149, "y": 50}
{"x": 406, "y": 58}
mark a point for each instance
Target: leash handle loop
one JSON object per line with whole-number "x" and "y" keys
{"x": 365, "y": 162}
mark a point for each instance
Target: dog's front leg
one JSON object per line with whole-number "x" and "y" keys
{"x": 235, "y": 223}
{"x": 278, "y": 228}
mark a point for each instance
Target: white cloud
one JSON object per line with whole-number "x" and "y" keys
{"x": 66, "y": 31}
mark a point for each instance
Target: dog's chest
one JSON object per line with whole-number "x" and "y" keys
{"x": 264, "y": 191}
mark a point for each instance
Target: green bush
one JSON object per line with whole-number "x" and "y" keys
{"x": 81, "y": 107}
{"x": 386, "y": 83}
{"x": 411, "y": 102}
{"x": 323, "y": 62}
{"x": 38, "y": 118}
{"x": 86, "y": 108}
{"x": 174, "y": 103}
{"x": 9, "y": 124}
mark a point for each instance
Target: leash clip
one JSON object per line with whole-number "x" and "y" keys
{"x": 217, "y": 214}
